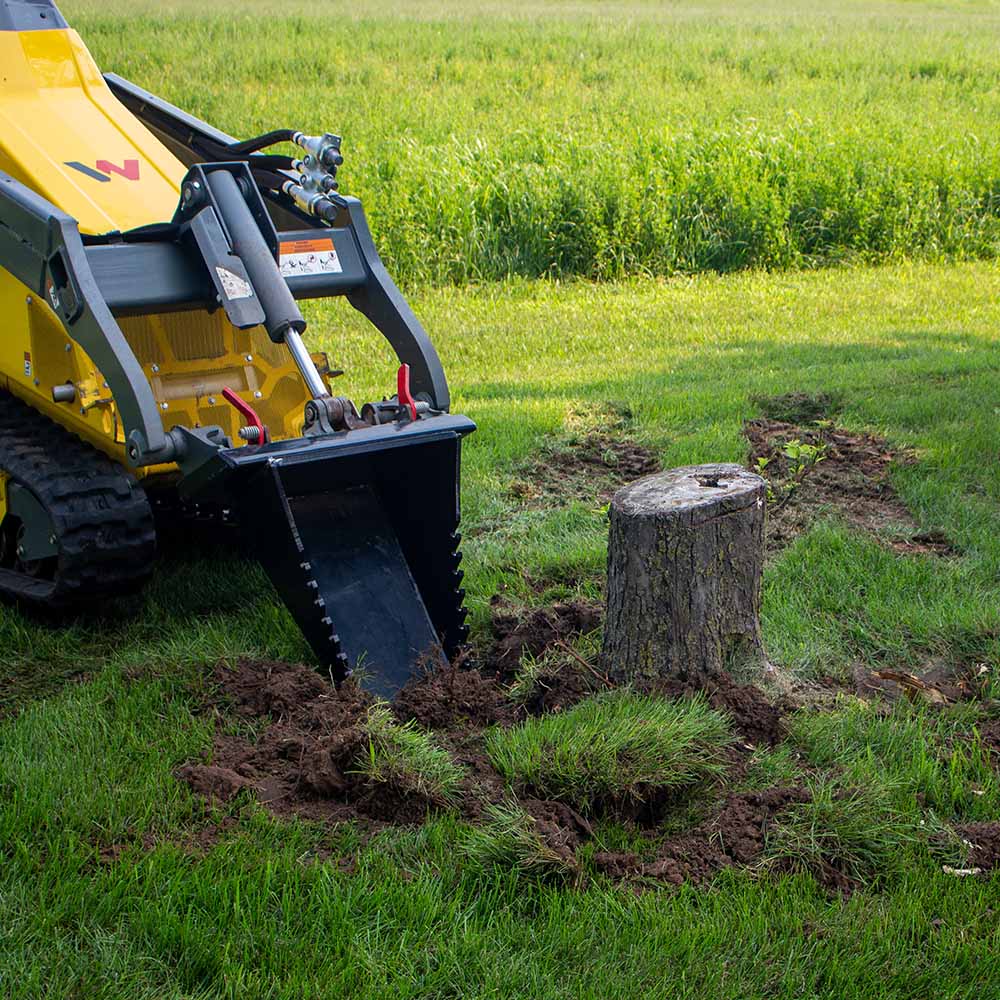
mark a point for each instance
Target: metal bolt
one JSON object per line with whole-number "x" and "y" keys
{"x": 105, "y": 384}
{"x": 28, "y": 299}
{"x": 249, "y": 357}
{"x": 52, "y": 538}
{"x": 257, "y": 394}
{"x": 163, "y": 406}
{"x": 133, "y": 452}
{"x": 20, "y": 550}
{"x": 36, "y": 381}
{"x": 156, "y": 368}
{"x": 211, "y": 400}
{"x": 69, "y": 347}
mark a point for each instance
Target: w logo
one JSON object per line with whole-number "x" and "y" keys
{"x": 103, "y": 169}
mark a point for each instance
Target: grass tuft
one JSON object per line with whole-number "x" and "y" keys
{"x": 405, "y": 757}
{"x": 613, "y": 747}
{"x": 853, "y": 832}
{"x": 509, "y": 838}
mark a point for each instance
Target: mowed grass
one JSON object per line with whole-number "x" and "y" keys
{"x": 911, "y": 352}
{"x": 617, "y": 747}
{"x": 608, "y": 139}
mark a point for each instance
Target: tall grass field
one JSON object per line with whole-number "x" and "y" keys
{"x": 605, "y": 139}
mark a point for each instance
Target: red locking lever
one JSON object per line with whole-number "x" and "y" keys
{"x": 403, "y": 390}
{"x": 248, "y": 413}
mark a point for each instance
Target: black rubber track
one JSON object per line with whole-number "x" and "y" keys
{"x": 102, "y": 519}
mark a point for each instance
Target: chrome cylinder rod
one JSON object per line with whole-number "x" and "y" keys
{"x": 304, "y": 363}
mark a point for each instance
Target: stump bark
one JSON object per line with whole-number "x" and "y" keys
{"x": 685, "y": 557}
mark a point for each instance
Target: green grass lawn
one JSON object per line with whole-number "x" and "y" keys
{"x": 911, "y": 353}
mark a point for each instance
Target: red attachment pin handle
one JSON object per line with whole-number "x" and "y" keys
{"x": 248, "y": 413}
{"x": 403, "y": 390}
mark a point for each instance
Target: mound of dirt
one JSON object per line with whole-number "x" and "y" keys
{"x": 938, "y": 684}
{"x": 756, "y": 719}
{"x": 734, "y": 836}
{"x": 300, "y": 746}
{"x": 303, "y": 762}
{"x": 590, "y": 468}
{"x": 852, "y": 478}
{"x": 516, "y": 632}
{"x": 453, "y": 698}
{"x": 985, "y": 841}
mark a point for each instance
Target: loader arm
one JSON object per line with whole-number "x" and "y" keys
{"x": 367, "y": 285}
{"x": 41, "y": 246}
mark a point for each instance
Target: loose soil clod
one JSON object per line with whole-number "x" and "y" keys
{"x": 516, "y": 633}
{"x": 985, "y": 841}
{"x": 734, "y": 836}
{"x": 853, "y": 479}
{"x": 450, "y": 697}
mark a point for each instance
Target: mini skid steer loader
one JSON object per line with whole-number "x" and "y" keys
{"x": 151, "y": 349}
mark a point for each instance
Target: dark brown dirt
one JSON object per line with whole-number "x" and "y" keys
{"x": 561, "y": 829}
{"x": 756, "y": 719}
{"x": 516, "y": 633}
{"x": 451, "y": 698}
{"x": 989, "y": 736}
{"x": 297, "y": 751}
{"x": 985, "y": 840}
{"x": 303, "y": 762}
{"x": 734, "y": 836}
{"x": 590, "y": 468}
{"x": 852, "y": 480}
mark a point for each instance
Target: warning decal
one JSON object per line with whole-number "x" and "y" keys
{"x": 309, "y": 257}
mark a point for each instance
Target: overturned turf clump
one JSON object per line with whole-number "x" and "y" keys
{"x": 843, "y": 837}
{"x": 614, "y": 751}
{"x": 406, "y": 759}
{"x": 541, "y": 842}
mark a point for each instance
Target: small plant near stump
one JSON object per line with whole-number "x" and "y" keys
{"x": 614, "y": 747}
{"x": 802, "y": 458}
{"x": 406, "y": 758}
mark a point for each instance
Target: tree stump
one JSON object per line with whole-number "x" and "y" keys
{"x": 685, "y": 557}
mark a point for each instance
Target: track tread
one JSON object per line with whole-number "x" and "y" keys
{"x": 103, "y": 521}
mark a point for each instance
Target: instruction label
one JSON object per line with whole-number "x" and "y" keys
{"x": 309, "y": 257}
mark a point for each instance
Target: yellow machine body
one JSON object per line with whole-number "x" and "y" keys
{"x": 66, "y": 136}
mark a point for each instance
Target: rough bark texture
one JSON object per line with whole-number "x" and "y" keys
{"x": 685, "y": 556}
